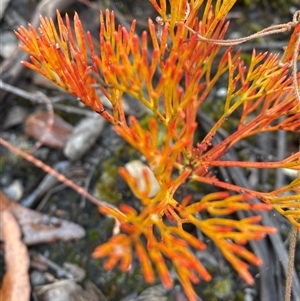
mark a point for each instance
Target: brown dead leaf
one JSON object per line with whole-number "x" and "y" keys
{"x": 36, "y": 126}
{"x": 37, "y": 227}
{"x": 15, "y": 284}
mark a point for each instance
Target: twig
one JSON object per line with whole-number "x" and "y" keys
{"x": 294, "y": 67}
{"x": 87, "y": 181}
{"x": 275, "y": 29}
{"x": 32, "y": 97}
{"x": 279, "y": 28}
{"x": 37, "y": 97}
{"x": 60, "y": 177}
{"x": 281, "y": 154}
{"x": 73, "y": 110}
{"x": 45, "y": 199}
{"x": 60, "y": 272}
{"x": 290, "y": 268}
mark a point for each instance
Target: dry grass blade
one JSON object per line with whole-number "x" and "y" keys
{"x": 15, "y": 284}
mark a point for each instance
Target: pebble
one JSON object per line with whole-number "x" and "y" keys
{"x": 84, "y": 135}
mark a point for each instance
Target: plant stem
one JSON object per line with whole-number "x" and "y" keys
{"x": 289, "y": 277}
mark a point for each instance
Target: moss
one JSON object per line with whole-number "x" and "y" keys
{"x": 197, "y": 187}
{"x": 246, "y": 58}
{"x": 107, "y": 184}
{"x": 220, "y": 289}
{"x": 240, "y": 296}
{"x": 223, "y": 288}
{"x": 93, "y": 235}
{"x": 125, "y": 153}
{"x": 115, "y": 284}
{"x": 3, "y": 160}
{"x": 144, "y": 122}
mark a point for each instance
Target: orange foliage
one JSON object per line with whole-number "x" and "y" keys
{"x": 264, "y": 93}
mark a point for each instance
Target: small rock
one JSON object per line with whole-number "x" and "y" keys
{"x": 290, "y": 173}
{"x": 135, "y": 168}
{"x": 37, "y": 278}
{"x": 8, "y": 44}
{"x": 84, "y": 135}
{"x": 221, "y": 92}
{"x": 15, "y": 190}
